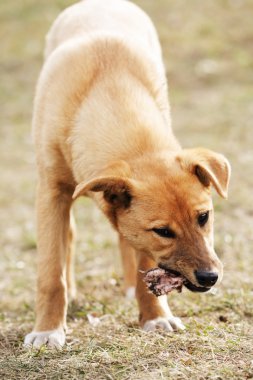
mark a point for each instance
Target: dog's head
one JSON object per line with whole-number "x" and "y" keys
{"x": 163, "y": 207}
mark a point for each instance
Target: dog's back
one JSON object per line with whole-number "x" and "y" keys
{"x": 119, "y": 17}
{"x": 101, "y": 45}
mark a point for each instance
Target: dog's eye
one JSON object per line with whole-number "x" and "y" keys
{"x": 165, "y": 232}
{"x": 203, "y": 218}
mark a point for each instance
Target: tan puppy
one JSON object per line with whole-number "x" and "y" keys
{"x": 102, "y": 128}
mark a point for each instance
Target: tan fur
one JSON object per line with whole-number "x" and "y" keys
{"x": 102, "y": 128}
{"x": 129, "y": 261}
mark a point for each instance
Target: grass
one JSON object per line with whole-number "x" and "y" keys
{"x": 208, "y": 54}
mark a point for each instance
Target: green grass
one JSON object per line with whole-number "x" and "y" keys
{"x": 208, "y": 53}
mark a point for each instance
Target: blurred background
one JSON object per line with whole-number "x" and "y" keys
{"x": 208, "y": 54}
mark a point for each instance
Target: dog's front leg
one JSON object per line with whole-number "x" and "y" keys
{"x": 154, "y": 311}
{"x": 128, "y": 255}
{"x": 53, "y": 218}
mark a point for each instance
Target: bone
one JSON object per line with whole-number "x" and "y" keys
{"x": 160, "y": 281}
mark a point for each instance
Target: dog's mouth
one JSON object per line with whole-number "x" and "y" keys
{"x": 188, "y": 284}
{"x": 193, "y": 288}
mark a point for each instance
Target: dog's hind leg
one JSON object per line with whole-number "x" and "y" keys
{"x": 128, "y": 255}
{"x": 53, "y": 221}
{"x": 70, "y": 275}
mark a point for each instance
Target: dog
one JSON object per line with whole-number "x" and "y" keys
{"x": 102, "y": 129}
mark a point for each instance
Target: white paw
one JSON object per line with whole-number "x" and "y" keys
{"x": 130, "y": 293}
{"x": 176, "y": 323}
{"x": 166, "y": 324}
{"x": 52, "y": 338}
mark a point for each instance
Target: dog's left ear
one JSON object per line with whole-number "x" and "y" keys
{"x": 210, "y": 168}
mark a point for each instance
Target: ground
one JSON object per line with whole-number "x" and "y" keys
{"x": 208, "y": 52}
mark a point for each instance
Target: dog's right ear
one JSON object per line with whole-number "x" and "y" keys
{"x": 118, "y": 191}
{"x": 115, "y": 183}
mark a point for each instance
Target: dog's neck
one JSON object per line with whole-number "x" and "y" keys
{"x": 128, "y": 122}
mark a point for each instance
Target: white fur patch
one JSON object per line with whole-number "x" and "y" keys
{"x": 163, "y": 301}
{"x": 130, "y": 292}
{"x": 52, "y": 338}
{"x": 176, "y": 323}
{"x": 168, "y": 323}
{"x": 72, "y": 294}
{"x": 157, "y": 323}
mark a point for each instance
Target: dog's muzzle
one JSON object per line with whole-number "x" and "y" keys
{"x": 206, "y": 279}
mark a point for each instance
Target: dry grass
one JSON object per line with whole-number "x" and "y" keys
{"x": 208, "y": 51}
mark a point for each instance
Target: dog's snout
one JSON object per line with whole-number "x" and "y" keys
{"x": 206, "y": 278}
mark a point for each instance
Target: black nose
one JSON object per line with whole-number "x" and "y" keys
{"x": 206, "y": 278}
